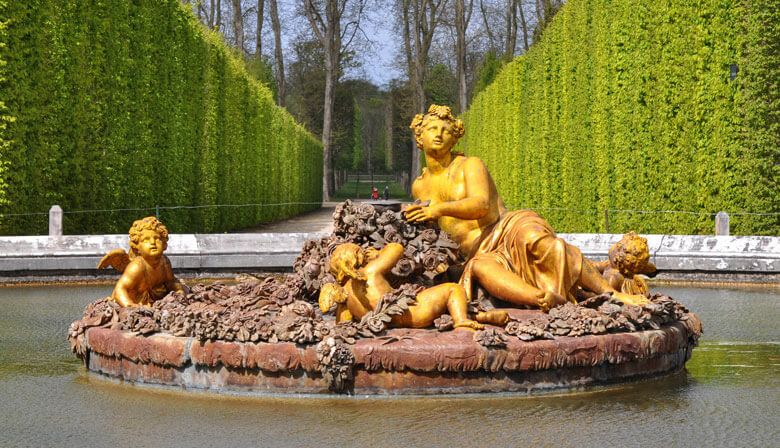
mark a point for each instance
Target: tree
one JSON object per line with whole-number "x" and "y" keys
{"x": 259, "y": 37}
{"x": 419, "y": 20}
{"x": 335, "y": 37}
{"x": 238, "y": 25}
{"x": 278, "y": 53}
{"x": 462, "y": 19}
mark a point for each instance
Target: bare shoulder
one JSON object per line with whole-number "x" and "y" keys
{"x": 135, "y": 269}
{"x": 472, "y": 163}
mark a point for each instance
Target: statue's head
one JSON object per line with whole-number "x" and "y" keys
{"x": 631, "y": 255}
{"x": 345, "y": 261}
{"x": 438, "y": 117}
{"x": 331, "y": 294}
{"x": 148, "y": 233}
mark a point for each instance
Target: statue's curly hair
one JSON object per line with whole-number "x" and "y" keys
{"x": 436, "y": 112}
{"x": 148, "y": 223}
{"x": 331, "y": 295}
{"x": 344, "y": 262}
{"x": 630, "y": 255}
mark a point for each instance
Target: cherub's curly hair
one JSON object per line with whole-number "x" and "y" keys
{"x": 344, "y": 262}
{"x": 630, "y": 255}
{"x": 148, "y": 223}
{"x": 436, "y": 112}
{"x": 331, "y": 295}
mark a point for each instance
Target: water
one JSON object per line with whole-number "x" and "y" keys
{"x": 729, "y": 395}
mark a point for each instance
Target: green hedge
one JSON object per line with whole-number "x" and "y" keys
{"x": 135, "y": 105}
{"x": 628, "y": 105}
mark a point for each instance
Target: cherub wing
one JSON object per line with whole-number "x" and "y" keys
{"x": 117, "y": 258}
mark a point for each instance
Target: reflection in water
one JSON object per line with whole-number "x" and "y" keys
{"x": 728, "y": 396}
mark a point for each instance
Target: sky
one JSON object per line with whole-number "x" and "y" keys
{"x": 383, "y": 41}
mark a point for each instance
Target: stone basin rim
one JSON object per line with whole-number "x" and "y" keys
{"x": 415, "y": 362}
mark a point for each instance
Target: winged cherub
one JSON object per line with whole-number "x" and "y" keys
{"x": 146, "y": 273}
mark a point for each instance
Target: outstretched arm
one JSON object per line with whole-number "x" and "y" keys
{"x": 475, "y": 205}
{"x": 385, "y": 260}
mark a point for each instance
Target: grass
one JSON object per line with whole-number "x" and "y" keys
{"x": 362, "y": 190}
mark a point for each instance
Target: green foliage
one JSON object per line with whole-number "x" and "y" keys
{"x": 5, "y": 119}
{"x": 362, "y": 190}
{"x": 440, "y": 87}
{"x": 357, "y": 136}
{"x": 262, "y": 70}
{"x": 628, "y": 105}
{"x": 487, "y": 72}
{"x": 125, "y": 105}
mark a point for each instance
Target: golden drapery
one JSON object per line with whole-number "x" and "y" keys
{"x": 513, "y": 243}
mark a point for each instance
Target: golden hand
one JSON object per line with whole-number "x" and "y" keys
{"x": 421, "y": 213}
{"x": 371, "y": 254}
{"x": 550, "y": 300}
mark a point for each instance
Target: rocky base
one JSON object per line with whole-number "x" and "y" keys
{"x": 402, "y": 361}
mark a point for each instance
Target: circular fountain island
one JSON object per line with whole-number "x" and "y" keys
{"x": 285, "y": 334}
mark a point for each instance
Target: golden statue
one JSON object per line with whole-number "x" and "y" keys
{"x": 146, "y": 273}
{"x": 361, "y": 283}
{"x": 516, "y": 256}
{"x": 629, "y": 262}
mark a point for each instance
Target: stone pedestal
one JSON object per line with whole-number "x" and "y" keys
{"x": 404, "y": 361}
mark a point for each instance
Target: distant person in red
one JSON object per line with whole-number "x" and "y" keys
{"x": 374, "y": 193}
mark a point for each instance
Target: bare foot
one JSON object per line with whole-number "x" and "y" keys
{"x": 470, "y": 325}
{"x": 631, "y": 299}
{"x": 493, "y": 317}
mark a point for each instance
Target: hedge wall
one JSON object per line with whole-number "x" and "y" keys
{"x": 627, "y": 105}
{"x": 134, "y": 104}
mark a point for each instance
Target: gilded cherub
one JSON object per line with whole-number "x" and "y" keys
{"x": 361, "y": 283}
{"x": 146, "y": 273}
{"x": 629, "y": 262}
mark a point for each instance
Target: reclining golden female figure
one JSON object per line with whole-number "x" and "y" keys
{"x": 628, "y": 263}
{"x": 146, "y": 273}
{"x": 362, "y": 283}
{"x": 516, "y": 256}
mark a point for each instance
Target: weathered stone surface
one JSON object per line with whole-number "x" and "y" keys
{"x": 401, "y": 362}
{"x": 278, "y": 357}
{"x": 159, "y": 349}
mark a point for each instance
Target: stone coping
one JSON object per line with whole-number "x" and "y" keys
{"x": 22, "y": 256}
{"x": 404, "y": 361}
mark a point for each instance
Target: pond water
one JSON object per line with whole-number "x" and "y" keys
{"x": 729, "y": 395}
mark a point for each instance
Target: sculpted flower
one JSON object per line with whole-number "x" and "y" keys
{"x": 392, "y": 236}
{"x": 386, "y": 218}
{"x": 490, "y": 337}
{"x": 365, "y": 211}
{"x": 430, "y": 261}
{"x": 404, "y": 267}
{"x": 429, "y": 236}
{"x": 444, "y": 322}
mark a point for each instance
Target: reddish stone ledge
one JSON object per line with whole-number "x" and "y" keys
{"x": 402, "y": 361}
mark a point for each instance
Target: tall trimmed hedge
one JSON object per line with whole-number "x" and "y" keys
{"x": 135, "y": 105}
{"x": 628, "y": 105}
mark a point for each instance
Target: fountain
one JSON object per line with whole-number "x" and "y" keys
{"x": 452, "y": 295}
